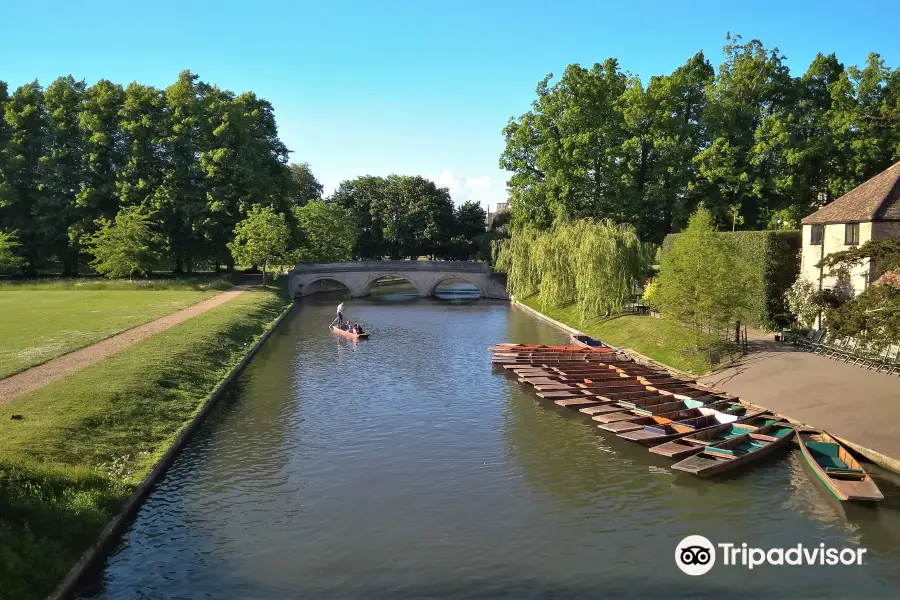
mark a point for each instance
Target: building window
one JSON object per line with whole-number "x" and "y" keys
{"x": 851, "y": 234}
{"x": 816, "y": 234}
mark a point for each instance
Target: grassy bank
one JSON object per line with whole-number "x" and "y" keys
{"x": 197, "y": 284}
{"x": 85, "y": 441}
{"x": 39, "y": 324}
{"x": 663, "y": 340}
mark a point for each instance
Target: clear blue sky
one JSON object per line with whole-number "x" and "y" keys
{"x": 420, "y": 87}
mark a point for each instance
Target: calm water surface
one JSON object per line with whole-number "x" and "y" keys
{"x": 407, "y": 467}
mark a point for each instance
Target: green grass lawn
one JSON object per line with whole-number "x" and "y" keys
{"x": 84, "y": 441}
{"x": 663, "y": 340}
{"x": 40, "y": 324}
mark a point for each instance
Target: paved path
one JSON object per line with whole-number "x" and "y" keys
{"x": 41, "y": 375}
{"x": 856, "y": 404}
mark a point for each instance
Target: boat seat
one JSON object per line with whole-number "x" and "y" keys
{"x": 826, "y": 455}
{"x": 723, "y": 452}
{"x": 763, "y": 437}
{"x": 783, "y": 432}
{"x": 697, "y": 442}
{"x": 845, "y": 470}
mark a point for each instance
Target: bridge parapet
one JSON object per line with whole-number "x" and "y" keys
{"x": 358, "y": 276}
{"x": 392, "y": 266}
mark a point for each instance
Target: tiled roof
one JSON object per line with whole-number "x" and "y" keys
{"x": 878, "y": 199}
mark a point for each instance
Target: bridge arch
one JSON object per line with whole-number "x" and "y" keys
{"x": 307, "y": 286}
{"x": 366, "y": 288}
{"x": 461, "y": 276}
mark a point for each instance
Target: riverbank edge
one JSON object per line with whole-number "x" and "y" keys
{"x": 638, "y": 357}
{"x": 114, "y": 528}
{"x": 882, "y": 460}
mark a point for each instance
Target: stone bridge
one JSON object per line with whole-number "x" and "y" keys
{"x": 425, "y": 276}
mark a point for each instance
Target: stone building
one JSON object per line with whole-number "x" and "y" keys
{"x": 870, "y": 211}
{"x": 489, "y": 216}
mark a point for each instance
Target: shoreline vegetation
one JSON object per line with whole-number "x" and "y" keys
{"x": 83, "y": 443}
{"x": 664, "y": 340}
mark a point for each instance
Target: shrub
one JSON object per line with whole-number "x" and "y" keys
{"x": 771, "y": 261}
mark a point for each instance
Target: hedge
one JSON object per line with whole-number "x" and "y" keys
{"x": 777, "y": 256}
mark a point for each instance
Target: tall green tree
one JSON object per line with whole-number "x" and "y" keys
{"x": 700, "y": 283}
{"x": 123, "y": 246}
{"x": 62, "y": 172}
{"x": 363, "y": 198}
{"x": 261, "y": 238}
{"x": 181, "y": 199}
{"x": 21, "y": 193}
{"x": 104, "y": 150}
{"x": 8, "y": 243}
{"x": 328, "y": 232}
{"x": 304, "y": 187}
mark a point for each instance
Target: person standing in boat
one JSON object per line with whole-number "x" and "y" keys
{"x": 340, "y": 316}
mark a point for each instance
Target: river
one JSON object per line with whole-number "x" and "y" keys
{"x": 406, "y": 466}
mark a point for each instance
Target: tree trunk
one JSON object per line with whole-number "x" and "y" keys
{"x": 189, "y": 263}
{"x": 265, "y": 263}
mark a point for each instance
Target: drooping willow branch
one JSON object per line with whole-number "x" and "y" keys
{"x": 597, "y": 264}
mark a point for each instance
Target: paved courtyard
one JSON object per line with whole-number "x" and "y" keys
{"x": 856, "y": 404}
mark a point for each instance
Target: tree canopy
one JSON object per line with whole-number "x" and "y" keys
{"x": 261, "y": 238}
{"x": 750, "y": 140}
{"x": 403, "y": 216}
{"x": 193, "y": 157}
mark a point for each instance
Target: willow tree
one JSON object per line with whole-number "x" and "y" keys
{"x": 596, "y": 264}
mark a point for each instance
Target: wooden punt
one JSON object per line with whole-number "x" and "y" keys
{"x": 738, "y": 451}
{"x": 653, "y": 435}
{"x": 694, "y": 444}
{"x": 349, "y": 334}
{"x": 672, "y": 405}
{"x": 836, "y": 468}
{"x": 676, "y": 415}
{"x": 586, "y": 341}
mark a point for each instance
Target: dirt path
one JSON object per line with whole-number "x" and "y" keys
{"x": 41, "y": 375}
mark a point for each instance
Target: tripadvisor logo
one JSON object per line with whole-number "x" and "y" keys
{"x": 696, "y": 555}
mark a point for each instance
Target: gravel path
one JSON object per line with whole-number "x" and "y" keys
{"x": 41, "y": 375}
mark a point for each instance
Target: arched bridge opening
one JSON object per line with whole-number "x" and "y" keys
{"x": 426, "y": 278}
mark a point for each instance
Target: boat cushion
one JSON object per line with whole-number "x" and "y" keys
{"x": 826, "y": 454}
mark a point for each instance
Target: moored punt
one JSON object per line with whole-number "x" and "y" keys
{"x": 693, "y": 444}
{"x": 671, "y": 406}
{"x": 836, "y": 468}
{"x": 586, "y": 341}
{"x": 677, "y": 415}
{"x": 349, "y": 334}
{"x": 652, "y": 435}
{"x": 738, "y": 451}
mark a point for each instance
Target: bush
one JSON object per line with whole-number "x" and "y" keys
{"x": 772, "y": 260}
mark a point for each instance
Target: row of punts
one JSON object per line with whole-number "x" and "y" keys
{"x": 705, "y": 431}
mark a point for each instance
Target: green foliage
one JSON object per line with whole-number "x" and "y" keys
{"x": 595, "y": 264}
{"x": 122, "y": 247}
{"x": 750, "y": 140}
{"x": 261, "y": 238}
{"x": 408, "y": 217}
{"x": 8, "y": 258}
{"x": 885, "y": 254}
{"x": 872, "y": 317}
{"x": 194, "y": 157}
{"x": 801, "y": 300}
{"x": 328, "y": 232}
{"x": 651, "y": 293}
{"x": 772, "y": 260}
{"x": 701, "y": 282}
{"x": 304, "y": 187}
